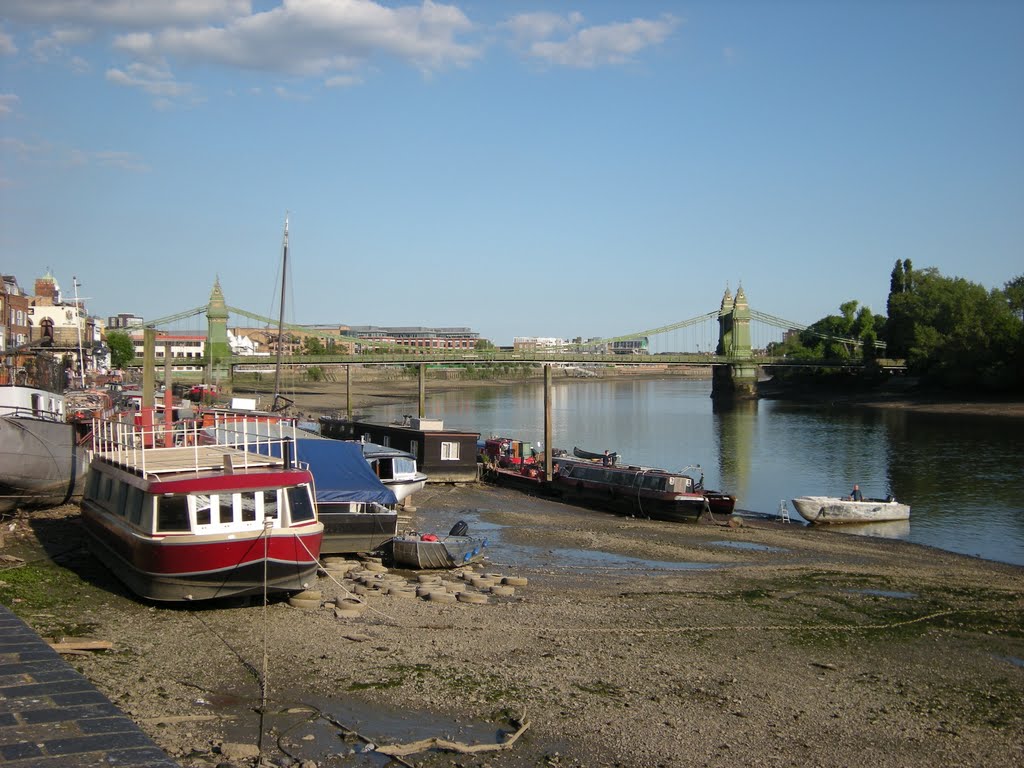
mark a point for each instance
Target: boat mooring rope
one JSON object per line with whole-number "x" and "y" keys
{"x": 345, "y": 589}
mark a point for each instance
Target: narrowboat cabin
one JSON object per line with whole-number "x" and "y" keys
{"x": 177, "y": 518}
{"x": 444, "y": 455}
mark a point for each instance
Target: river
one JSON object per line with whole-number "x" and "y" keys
{"x": 962, "y": 476}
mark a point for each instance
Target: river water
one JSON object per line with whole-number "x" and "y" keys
{"x": 962, "y": 476}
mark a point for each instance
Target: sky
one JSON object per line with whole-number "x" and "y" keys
{"x": 561, "y": 169}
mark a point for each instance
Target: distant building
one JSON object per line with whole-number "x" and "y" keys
{"x": 124, "y": 321}
{"x": 16, "y": 327}
{"x": 187, "y": 346}
{"x": 538, "y": 344}
{"x": 416, "y": 338}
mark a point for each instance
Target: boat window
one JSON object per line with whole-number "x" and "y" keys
{"x": 449, "y": 451}
{"x": 402, "y": 466}
{"x": 271, "y": 503}
{"x": 414, "y": 449}
{"x": 301, "y": 504}
{"x": 133, "y": 504}
{"x": 386, "y": 441}
{"x": 653, "y": 483}
{"x": 248, "y": 506}
{"x": 37, "y": 405}
{"x": 120, "y": 496}
{"x": 202, "y": 509}
{"x": 226, "y": 513}
{"x": 172, "y": 514}
{"x": 93, "y": 485}
{"x": 106, "y": 487}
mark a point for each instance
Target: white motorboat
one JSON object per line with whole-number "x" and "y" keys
{"x": 825, "y": 510}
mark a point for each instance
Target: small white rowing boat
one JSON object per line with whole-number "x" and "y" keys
{"x": 830, "y": 509}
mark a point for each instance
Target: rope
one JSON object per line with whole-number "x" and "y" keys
{"x": 268, "y": 524}
{"x": 344, "y": 588}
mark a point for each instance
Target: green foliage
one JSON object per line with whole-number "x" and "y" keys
{"x": 315, "y": 373}
{"x": 483, "y": 345}
{"x": 956, "y": 334}
{"x": 311, "y": 345}
{"x": 122, "y": 350}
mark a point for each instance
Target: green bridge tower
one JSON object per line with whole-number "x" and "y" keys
{"x": 738, "y": 379}
{"x": 218, "y": 351}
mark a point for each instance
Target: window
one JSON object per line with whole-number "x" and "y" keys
{"x": 133, "y": 505}
{"x": 271, "y": 503}
{"x": 248, "y": 507}
{"x": 172, "y": 514}
{"x": 386, "y": 441}
{"x": 202, "y": 510}
{"x": 227, "y": 515}
{"x": 449, "y": 451}
{"x": 414, "y": 449}
{"x": 301, "y": 504}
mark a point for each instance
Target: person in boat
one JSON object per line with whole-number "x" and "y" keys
{"x": 606, "y": 460}
{"x": 855, "y": 494}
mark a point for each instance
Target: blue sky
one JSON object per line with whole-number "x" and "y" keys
{"x": 523, "y": 168}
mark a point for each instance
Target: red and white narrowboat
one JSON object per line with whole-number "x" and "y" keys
{"x": 178, "y": 519}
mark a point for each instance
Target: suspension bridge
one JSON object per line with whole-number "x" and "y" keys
{"x": 734, "y": 339}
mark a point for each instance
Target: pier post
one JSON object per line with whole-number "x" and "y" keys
{"x": 348, "y": 392}
{"x": 547, "y": 422}
{"x": 148, "y": 366}
{"x": 168, "y": 398}
{"x": 423, "y": 390}
{"x": 737, "y": 381}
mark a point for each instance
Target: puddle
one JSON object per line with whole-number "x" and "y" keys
{"x": 518, "y": 555}
{"x": 884, "y": 593}
{"x": 583, "y": 558}
{"x": 747, "y": 545}
{"x": 335, "y": 731}
{"x": 1017, "y": 662}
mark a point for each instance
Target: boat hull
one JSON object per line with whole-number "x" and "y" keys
{"x": 41, "y": 464}
{"x": 192, "y": 568}
{"x": 673, "y": 507}
{"x": 347, "y": 531}
{"x": 447, "y": 552}
{"x": 828, "y": 510}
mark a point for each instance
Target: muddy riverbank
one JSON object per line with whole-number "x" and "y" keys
{"x": 634, "y": 643}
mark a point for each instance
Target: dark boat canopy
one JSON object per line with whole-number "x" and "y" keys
{"x": 341, "y": 473}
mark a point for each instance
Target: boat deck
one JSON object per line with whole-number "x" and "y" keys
{"x": 198, "y": 458}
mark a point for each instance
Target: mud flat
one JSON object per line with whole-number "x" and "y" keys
{"x": 633, "y": 643}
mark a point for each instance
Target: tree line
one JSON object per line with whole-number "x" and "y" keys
{"x": 953, "y": 334}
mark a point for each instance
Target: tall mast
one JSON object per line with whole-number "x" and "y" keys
{"x": 280, "y": 321}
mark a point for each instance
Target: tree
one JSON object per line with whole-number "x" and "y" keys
{"x": 483, "y": 345}
{"x": 312, "y": 346}
{"x": 1014, "y": 290}
{"x": 122, "y": 349}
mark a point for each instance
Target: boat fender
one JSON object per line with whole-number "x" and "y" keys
{"x": 459, "y": 529}
{"x": 428, "y": 537}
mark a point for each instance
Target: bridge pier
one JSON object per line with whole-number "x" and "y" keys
{"x": 736, "y": 381}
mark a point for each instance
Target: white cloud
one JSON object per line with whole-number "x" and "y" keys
{"x": 605, "y": 44}
{"x": 126, "y": 13}
{"x": 318, "y": 37}
{"x": 45, "y": 153}
{"x": 7, "y": 46}
{"x": 58, "y": 41}
{"x": 343, "y": 81}
{"x": 7, "y": 103}
{"x": 154, "y": 80}
{"x": 541, "y": 25}
{"x": 128, "y": 161}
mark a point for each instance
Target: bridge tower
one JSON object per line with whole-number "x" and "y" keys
{"x": 217, "y": 349}
{"x": 738, "y": 379}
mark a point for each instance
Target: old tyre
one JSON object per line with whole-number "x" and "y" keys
{"x": 502, "y": 591}
{"x": 515, "y": 581}
{"x": 474, "y": 598}
{"x": 305, "y": 605}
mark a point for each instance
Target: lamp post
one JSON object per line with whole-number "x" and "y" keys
{"x": 78, "y": 326}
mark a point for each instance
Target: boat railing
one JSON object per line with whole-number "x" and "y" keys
{"x": 188, "y": 445}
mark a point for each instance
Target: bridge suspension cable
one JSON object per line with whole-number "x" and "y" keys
{"x": 662, "y": 329}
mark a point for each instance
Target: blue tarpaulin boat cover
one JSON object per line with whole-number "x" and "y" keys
{"x": 340, "y": 472}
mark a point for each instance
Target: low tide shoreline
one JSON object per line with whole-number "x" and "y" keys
{"x": 634, "y": 643}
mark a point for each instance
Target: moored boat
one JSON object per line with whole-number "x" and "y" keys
{"x": 355, "y": 507}
{"x": 824, "y": 510}
{"x": 427, "y": 551}
{"x": 396, "y": 469}
{"x": 41, "y": 463}
{"x": 636, "y": 491}
{"x": 196, "y": 521}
